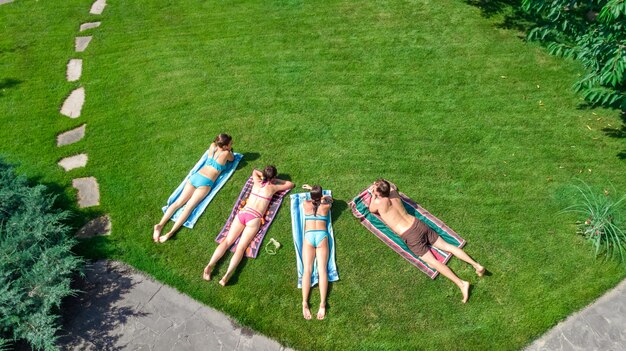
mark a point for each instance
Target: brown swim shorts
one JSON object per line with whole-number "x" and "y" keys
{"x": 419, "y": 237}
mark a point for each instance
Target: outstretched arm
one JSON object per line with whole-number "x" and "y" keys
{"x": 281, "y": 185}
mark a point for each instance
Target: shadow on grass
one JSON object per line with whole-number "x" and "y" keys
{"x": 339, "y": 207}
{"x": 97, "y": 247}
{"x": 94, "y": 318}
{"x": 222, "y": 266}
{"x": 7, "y": 83}
{"x": 247, "y": 157}
{"x": 513, "y": 17}
{"x": 619, "y": 133}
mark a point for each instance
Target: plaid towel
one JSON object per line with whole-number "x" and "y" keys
{"x": 373, "y": 222}
{"x": 255, "y": 245}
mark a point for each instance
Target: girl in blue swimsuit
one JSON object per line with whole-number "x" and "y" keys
{"x": 198, "y": 186}
{"x": 315, "y": 246}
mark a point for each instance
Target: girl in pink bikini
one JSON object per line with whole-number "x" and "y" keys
{"x": 248, "y": 220}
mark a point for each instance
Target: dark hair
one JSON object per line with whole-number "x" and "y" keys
{"x": 269, "y": 173}
{"x": 316, "y": 196}
{"x": 222, "y": 140}
{"x": 383, "y": 187}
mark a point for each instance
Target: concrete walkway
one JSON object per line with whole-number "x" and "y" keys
{"x": 600, "y": 326}
{"x": 121, "y": 309}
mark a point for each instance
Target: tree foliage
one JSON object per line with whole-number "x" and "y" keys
{"x": 36, "y": 262}
{"x": 592, "y": 32}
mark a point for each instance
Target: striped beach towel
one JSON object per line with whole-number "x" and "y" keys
{"x": 373, "y": 222}
{"x": 297, "y": 229}
{"x": 255, "y": 245}
{"x": 219, "y": 183}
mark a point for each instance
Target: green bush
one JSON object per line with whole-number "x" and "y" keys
{"x": 591, "y": 32}
{"x": 602, "y": 222}
{"x": 36, "y": 262}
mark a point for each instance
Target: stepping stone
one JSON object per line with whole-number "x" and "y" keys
{"x": 2, "y": 2}
{"x": 73, "y": 162}
{"x": 88, "y": 192}
{"x": 81, "y": 43}
{"x": 74, "y": 70}
{"x": 74, "y": 103}
{"x": 71, "y": 136}
{"x": 95, "y": 227}
{"x": 89, "y": 25}
{"x": 98, "y": 7}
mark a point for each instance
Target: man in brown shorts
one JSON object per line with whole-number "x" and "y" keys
{"x": 417, "y": 235}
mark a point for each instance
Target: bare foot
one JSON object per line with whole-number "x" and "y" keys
{"x": 206, "y": 275}
{"x": 156, "y": 233}
{"x": 465, "y": 290}
{"x": 165, "y": 237}
{"x": 305, "y": 311}
{"x": 322, "y": 312}
{"x": 224, "y": 280}
{"x": 480, "y": 271}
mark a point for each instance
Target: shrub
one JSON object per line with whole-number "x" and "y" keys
{"x": 36, "y": 262}
{"x": 591, "y": 32}
{"x": 602, "y": 224}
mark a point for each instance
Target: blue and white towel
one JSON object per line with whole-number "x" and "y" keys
{"x": 219, "y": 183}
{"x": 297, "y": 229}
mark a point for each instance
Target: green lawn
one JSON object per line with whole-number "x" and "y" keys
{"x": 478, "y": 126}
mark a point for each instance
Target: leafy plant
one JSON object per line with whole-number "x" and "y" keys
{"x": 591, "y": 32}
{"x": 36, "y": 262}
{"x": 602, "y": 225}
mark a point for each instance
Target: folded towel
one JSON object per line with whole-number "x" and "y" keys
{"x": 373, "y": 222}
{"x": 219, "y": 183}
{"x": 297, "y": 229}
{"x": 255, "y": 245}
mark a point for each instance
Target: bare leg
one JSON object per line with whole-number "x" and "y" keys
{"x": 235, "y": 230}
{"x": 458, "y": 252}
{"x": 185, "y": 195}
{"x": 248, "y": 234}
{"x": 308, "y": 255}
{"x": 197, "y": 196}
{"x": 322, "y": 264}
{"x": 447, "y": 272}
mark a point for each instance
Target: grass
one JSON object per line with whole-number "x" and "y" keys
{"x": 478, "y": 126}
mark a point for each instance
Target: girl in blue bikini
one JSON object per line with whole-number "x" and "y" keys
{"x": 248, "y": 220}
{"x": 315, "y": 246}
{"x": 198, "y": 186}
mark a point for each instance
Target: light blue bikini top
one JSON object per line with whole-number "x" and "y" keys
{"x": 316, "y": 218}
{"x": 212, "y": 161}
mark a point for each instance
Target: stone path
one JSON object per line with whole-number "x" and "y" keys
{"x": 74, "y": 70}
{"x": 88, "y": 188}
{"x": 88, "y": 191}
{"x": 2, "y": 2}
{"x": 74, "y": 103}
{"x": 600, "y": 326}
{"x": 81, "y": 43}
{"x": 121, "y": 309}
{"x": 96, "y": 227}
{"x": 73, "y": 162}
{"x": 98, "y": 7}
{"x": 71, "y": 136}
{"x": 89, "y": 25}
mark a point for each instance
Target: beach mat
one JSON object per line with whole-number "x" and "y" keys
{"x": 219, "y": 183}
{"x": 373, "y": 222}
{"x": 255, "y": 245}
{"x": 297, "y": 229}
